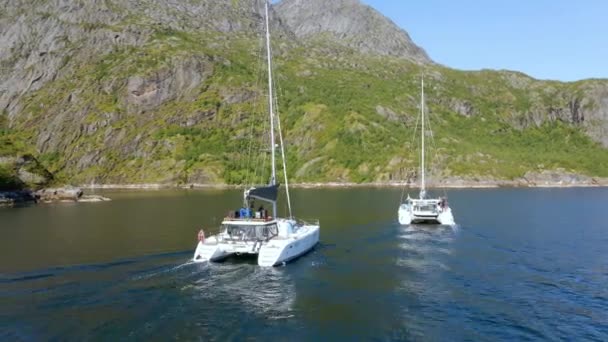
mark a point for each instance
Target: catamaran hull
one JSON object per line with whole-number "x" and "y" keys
{"x": 272, "y": 253}
{"x": 210, "y": 250}
{"x": 277, "y": 252}
{"x": 406, "y": 217}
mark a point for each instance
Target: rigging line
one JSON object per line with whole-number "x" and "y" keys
{"x": 251, "y": 135}
{"x": 261, "y": 163}
{"x": 434, "y": 154}
{"x": 257, "y": 177}
{"x": 433, "y": 145}
{"x": 263, "y": 143}
{"x": 270, "y": 101}
{"x": 278, "y": 119}
{"x": 254, "y": 109}
{"x": 249, "y": 175}
{"x": 284, "y": 165}
{"x": 412, "y": 144}
{"x": 279, "y": 88}
{"x": 427, "y": 122}
{"x": 434, "y": 149}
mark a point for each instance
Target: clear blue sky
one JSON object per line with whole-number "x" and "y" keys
{"x": 546, "y": 39}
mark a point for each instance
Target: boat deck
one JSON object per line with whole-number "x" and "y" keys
{"x": 249, "y": 220}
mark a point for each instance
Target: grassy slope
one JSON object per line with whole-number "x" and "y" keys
{"x": 328, "y": 102}
{"x": 10, "y": 145}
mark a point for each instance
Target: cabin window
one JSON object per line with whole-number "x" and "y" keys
{"x": 251, "y": 232}
{"x": 431, "y": 208}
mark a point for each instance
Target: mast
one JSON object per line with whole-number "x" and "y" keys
{"x": 273, "y": 180}
{"x": 422, "y": 186}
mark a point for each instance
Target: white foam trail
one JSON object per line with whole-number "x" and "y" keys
{"x": 172, "y": 269}
{"x": 421, "y": 265}
{"x": 423, "y": 249}
{"x": 190, "y": 262}
{"x": 416, "y": 236}
{"x": 273, "y": 293}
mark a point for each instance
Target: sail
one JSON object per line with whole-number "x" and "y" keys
{"x": 265, "y": 193}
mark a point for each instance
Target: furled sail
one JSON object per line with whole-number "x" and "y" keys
{"x": 265, "y": 193}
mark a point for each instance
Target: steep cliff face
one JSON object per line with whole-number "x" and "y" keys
{"x": 80, "y": 79}
{"x": 350, "y": 23}
{"x": 528, "y": 103}
{"x": 582, "y": 104}
{"x": 142, "y": 91}
{"x": 44, "y": 40}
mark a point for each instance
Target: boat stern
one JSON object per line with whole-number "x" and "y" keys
{"x": 425, "y": 211}
{"x": 446, "y": 218}
{"x": 405, "y": 215}
{"x": 209, "y": 250}
{"x": 282, "y": 250}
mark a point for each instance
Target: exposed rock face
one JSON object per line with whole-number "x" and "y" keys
{"x": 387, "y": 113}
{"x": 352, "y": 24}
{"x": 26, "y": 171}
{"x": 586, "y": 108}
{"x": 180, "y": 80}
{"x": 65, "y": 194}
{"x": 226, "y": 16}
{"x": 593, "y": 112}
{"x": 162, "y": 91}
{"x": 38, "y": 46}
{"x": 462, "y": 107}
{"x": 59, "y": 194}
{"x": 559, "y": 176}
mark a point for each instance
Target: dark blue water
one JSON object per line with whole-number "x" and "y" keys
{"x": 523, "y": 264}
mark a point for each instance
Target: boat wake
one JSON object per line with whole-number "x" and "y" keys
{"x": 158, "y": 289}
{"x": 160, "y": 270}
{"x": 424, "y": 248}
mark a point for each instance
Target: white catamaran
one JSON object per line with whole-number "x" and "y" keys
{"x": 423, "y": 209}
{"x": 275, "y": 240}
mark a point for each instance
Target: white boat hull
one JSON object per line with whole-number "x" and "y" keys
{"x": 274, "y": 252}
{"x": 210, "y": 250}
{"x": 423, "y": 209}
{"x": 245, "y": 231}
{"x": 279, "y": 251}
{"x": 407, "y": 216}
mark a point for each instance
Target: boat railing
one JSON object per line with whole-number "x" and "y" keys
{"x": 308, "y": 223}
{"x": 235, "y": 239}
{"x": 245, "y": 233}
{"x": 245, "y": 214}
{"x": 248, "y": 219}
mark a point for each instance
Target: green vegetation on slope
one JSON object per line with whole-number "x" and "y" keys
{"x": 9, "y": 146}
{"x": 333, "y": 106}
{"x": 16, "y": 158}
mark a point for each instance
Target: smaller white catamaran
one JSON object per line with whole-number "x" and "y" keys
{"x": 423, "y": 209}
{"x": 275, "y": 240}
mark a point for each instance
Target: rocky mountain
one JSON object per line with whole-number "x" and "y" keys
{"x": 352, "y": 24}
{"x": 169, "y": 91}
{"x": 38, "y": 40}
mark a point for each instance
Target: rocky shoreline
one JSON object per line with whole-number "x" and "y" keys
{"x": 54, "y": 195}
{"x": 544, "y": 179}
{"x": 329, "y": 185}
